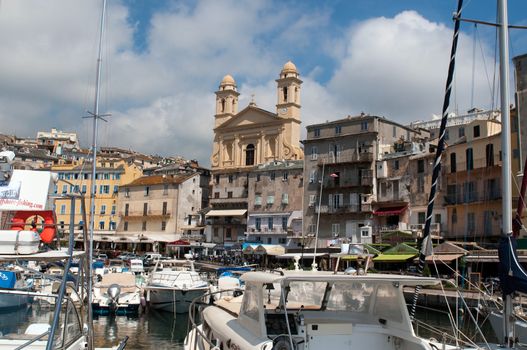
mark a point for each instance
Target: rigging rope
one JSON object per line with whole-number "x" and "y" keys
{"x": 426, "y": 243}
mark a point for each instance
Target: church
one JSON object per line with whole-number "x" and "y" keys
{"x": 246, "y": 143}
{"x": 255, "y": 136}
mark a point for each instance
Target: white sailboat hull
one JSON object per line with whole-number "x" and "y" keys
{"x": 172, "y": 299}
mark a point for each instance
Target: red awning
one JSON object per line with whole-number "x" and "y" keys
{"x": 389, "y": 211}
{"x": 179, "y": 242}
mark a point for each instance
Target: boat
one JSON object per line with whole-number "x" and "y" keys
{"x": 117, "y": 293}
{"x": 298, "y": 309}
{"x": 13, "y": 280}
{"x": 173, "y": 285}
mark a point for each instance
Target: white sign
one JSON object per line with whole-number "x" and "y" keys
{"x": 27, "y": 190}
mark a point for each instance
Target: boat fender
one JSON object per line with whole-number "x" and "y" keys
{"x": 281, "y": 343}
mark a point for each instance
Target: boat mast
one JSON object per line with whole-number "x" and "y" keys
{"x": 95, "y": 115}
{"x": 506, "y": 153}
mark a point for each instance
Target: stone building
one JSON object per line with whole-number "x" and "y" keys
{"x": 243, "y": 140}
{"x": 340, "y": 188}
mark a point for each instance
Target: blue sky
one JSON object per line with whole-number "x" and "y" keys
{"x": 163, "y": 60}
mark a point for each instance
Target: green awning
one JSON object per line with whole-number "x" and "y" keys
{"x": 393, "y": 257}
{"x": 349, "y": 257}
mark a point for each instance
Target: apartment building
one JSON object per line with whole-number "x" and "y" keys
{"x": 158, "y": 208}
{"x": 275, "y": 202}
{"x": 340, "y": 187}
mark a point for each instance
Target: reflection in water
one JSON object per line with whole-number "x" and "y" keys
{"x": 151, "y": 330}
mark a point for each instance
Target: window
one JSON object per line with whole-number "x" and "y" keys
{"x": 216, "y": 195}
{"x": 228, "y": 233}
{"x": 471, "y": 222}
{"x": 143, "y": 227}
{"x": 285, "y": 198}
{"x": 273, "y": 175}
{"x": 165, "y": 208}
{"x": 231, "y": 179}
{"x": 421, "y": 217}
{"x": 113, "y": 210}
{"x": 282, "y": 241}
{"x": 270, "y": 223}
{"x": 115, "y": 189}
{"x": 311, "y": 228}
{"x": 249, "y": 155}
{"x": 64, "y": 188}
{"x": 165, "y": 189}
{"x": 127, "y": 192}
{"x": 446, "y": 135}
{"x": 112, "y": 225}
{"x": 317, "y": 132}
{"x": 453, "y": 162}
{"x": 364, "y": 126}
{"x": 145, "y": 209}
{"x": 476, "y": 131}
{"x": 470, "y": 159}
{"x": 461, "y": 132}
{"x": 101, "y": 225}
{"x": 285, "y": 176}
{"x": 420, "y": 166}
{"x": 338, "y": 129}
{"x": 63, "y": 209}
{"x": 312, "y": 199}
{"x": 62, "y": 224}
{"x": 258, "y": 177}
{"x": 284, "y": 223}
{"x": 487, "y": 222}
{"x": 312, "y": 176}
{"x": 81, "y": 225}
{"x": 229, "y": 194}
{"x": 258, "y": 223}
{"x": 489, "y": 154}
{"x": 163, "y": 225}
{"x": 454, "y": 216}
{"x": 83, "y": 188}
{"x": 396, "y": 164}
{"x": 126, "y": 208}
{"x": 437, "y": 218}
{"x": 420, "y": 184}
{"x": 258, "y": 199}
{"x": 147, "y": 191}
{"x": 216, "y": 232}
{"x": 103, "y": 209}
{"x": 335, "y": 229}
{"x": 269, "y": 240}
{"x": 270, "y": 199}
{"x": 394, "y": 131}
{"x": 217, "y": 179}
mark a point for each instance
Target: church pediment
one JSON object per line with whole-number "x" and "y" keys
{"x": 250, "y": 116}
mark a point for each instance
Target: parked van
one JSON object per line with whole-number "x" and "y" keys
{"x": 150, "y": 258}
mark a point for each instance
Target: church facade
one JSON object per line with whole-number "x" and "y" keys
{"x": 244, "y": 140}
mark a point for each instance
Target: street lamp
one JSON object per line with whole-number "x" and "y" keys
{"x": 333, "y": 175}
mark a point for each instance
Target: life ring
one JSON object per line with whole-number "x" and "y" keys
{"x": 47, "y": 230}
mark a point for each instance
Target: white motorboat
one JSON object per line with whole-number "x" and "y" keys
{"x": 174, "y": 286}
{"x": 313, "y": 310}
{"x": 117, "y": 293}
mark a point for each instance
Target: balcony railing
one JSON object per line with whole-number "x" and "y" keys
{"x": 140, "y": 213}
{"x": 342, "y": 209}
{"x": 434, "y": 228}
{"x": 228, "y": 200}
{"x": 351, "y": 156}
{"x": 252, "y": 230}
{"x": 471, "y": 197}
{"x": 351, "y": 181}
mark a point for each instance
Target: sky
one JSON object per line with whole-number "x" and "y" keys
{"x": 163, "y": 60}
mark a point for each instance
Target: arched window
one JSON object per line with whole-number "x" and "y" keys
{"x": 249, "y": 154}
{"x": 222, "y": 105}
{"x": 452, "y": 162}
{"x": 285, "y": 93}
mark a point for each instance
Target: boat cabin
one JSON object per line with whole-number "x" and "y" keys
{"x": 316, "y": 310}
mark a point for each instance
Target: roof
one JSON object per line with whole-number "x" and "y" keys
{"x": 393, "y": 257}
{"x": 157, "y": 180}
{"x": 326, "y": 276}
{"x": 402, "y": 248}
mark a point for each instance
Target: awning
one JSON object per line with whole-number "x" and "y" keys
{"x": 270, "y": 250}
{"x": 446, "y": 258}
{"x": 161, "y": 237}
{"x": 389, "y": 211}
{"x": 230, "y": 212}
{"x": 305, "y": 255}
{"x": 393, "y": 257}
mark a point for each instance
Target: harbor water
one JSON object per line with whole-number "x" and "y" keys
{"x": 163, "y": 330}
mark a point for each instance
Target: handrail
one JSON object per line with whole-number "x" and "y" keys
{"x": 31, "y": 341}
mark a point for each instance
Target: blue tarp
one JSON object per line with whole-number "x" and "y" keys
{"x": 513, "y": 277}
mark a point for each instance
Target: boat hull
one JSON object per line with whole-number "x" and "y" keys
{"x": 173, "y": 300}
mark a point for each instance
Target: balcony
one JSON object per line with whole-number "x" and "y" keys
{"x": 228, "y": 200}
{"x": 435, "y": 228}
{"x": 346, "y": 157}
{"x": 279, "y": 230}
{"x": 343, "y": 209}
{"x": 366, "y": 179}
{"x": 471, "y": 197}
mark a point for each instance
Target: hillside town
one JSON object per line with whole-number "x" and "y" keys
{"x": 271, "y": 195}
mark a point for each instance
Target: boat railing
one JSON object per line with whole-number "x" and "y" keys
{"x": 194, "y": 310}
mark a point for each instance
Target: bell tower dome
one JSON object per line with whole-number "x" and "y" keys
{"x": 226, "y": 100}
{"x": 288, "y": 89}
